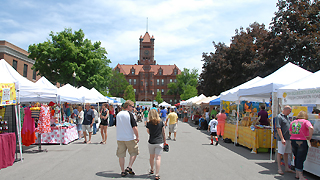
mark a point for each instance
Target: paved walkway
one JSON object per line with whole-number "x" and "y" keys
{"x": 190, "y": 157}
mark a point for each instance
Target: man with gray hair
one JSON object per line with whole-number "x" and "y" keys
{"x": 283, "y": 138}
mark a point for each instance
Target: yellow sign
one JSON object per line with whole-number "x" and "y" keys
{"x": 7, "y": 94}
{"x": 297, "y": 109}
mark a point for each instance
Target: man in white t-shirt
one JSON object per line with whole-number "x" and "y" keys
{"x": 127, "y": 137}
{"x": 213, "y": 129}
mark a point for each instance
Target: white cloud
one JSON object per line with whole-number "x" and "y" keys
{"x": 183, "y": 29}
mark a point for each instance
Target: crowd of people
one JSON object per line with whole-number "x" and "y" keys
{"x": 292, "y": 136}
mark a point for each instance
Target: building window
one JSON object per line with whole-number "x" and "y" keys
{"x": 117, "y": 69}
{"x": 134, "y": 90}
{"x": 170, "y": 101}
{"x": 15, "y": 64}
{"x": 130, "y": 81}
{"x": 175, "y": 101}
{"x": 141, "y": 82}
{"x": 160, "y": 71}
{"x": 147, "y": 83}
{"x": 175, "y": 80}
{"x": 134, "y": 81}
{"x": 158, "y": 90}
{"x": 150, "y": 83}
{"x": 132, "y": 71}
{"x": 171, "y": 80}
{"x": 25, "y": 70}
{"x": 158, "y": 82}
{"x": 175, "y": 72}
{"x": 162, "y": 82}
{"x": 162, "y": 91}
{"x": 34, "y": 76}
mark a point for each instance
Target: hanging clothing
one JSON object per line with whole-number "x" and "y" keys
{"x": 28, "y": 129}
{"x": 44, "y": 119}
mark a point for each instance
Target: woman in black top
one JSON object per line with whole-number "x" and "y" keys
{"x": 157, "y": 138}
{"x": 104, "y": 114}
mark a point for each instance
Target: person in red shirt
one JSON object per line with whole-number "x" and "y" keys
{"x": 221, "y": 117}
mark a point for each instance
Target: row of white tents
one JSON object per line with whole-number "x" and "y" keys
{"x": 289, "y": 78}
{"x": 45, "y": 91}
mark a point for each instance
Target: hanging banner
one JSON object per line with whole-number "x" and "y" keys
{"x": 7, "y": 94}
{"x": 311, "y": 96}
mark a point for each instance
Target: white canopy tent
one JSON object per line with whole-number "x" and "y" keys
{"x": 286, "y": 75}
{"x": 232, "y": 94}
{"x": 24, "y": 87}
{"x": 165, "y": 104}
{"x": 206, "y": 100}
{"x": 268, "y": 86}
{"x": 89, "y": 96}
{"x": 303, "y": 91}
{"x": 99, "y": 96}
{"x": 68, "y": 93}
{"x": 45, "y": 84}
{"x": 192, "y": 100}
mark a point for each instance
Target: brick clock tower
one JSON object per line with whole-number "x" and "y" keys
{"x": 146, "y": 53}
{"x": 147, "y": 77}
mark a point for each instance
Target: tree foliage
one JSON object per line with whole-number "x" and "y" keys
{"x": 158, "y": 97}
{"x": 69, "y": 52}
{"x": 186, "y": 80}
{"x": 129, "y": 94}
{"x": 295, "y": 30}
{"x": 117, "y": 84}
{"x": 257, "y": 51}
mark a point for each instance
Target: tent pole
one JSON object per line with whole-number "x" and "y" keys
{"x": 236, "y": 132}
{"x": 273, "y": 115}
{"x": 19, "y": 134}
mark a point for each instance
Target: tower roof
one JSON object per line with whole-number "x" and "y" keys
{"x": 146, "y": 37}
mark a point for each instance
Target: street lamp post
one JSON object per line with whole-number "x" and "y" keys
{"x": 74, "y": 78}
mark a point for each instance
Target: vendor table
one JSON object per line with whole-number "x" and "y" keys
{"x": 7, "y": 149}
{"x": 68, "y": 134}
{"x": 229, "y": 131}
{"x": 259, "y": 138}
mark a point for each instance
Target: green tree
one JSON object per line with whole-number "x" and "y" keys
{"x": 186, "y": 77}
{"x": 69, "y": 52}
{"x": 158, "y": 97}
{"x": 117, "y": 84}
{"x": 189, "y": 92}
{"x": 129, "y": 93}
{"x": 295, "y": 33}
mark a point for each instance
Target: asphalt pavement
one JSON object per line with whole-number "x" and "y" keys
{"x": 190, "y": 157}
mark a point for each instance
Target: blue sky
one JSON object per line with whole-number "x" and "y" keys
{"x": 183, "y": 29}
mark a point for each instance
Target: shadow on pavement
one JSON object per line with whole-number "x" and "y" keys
{"x": 240, "y": 150}
{"x": 111, "y": 174}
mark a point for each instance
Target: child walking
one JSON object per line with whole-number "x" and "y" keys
{"x": 213, "y": 129}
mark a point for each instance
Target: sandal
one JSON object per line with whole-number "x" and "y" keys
{"x": 101, "y": 142}
{"x": 280, "y": 172}
{"x": 151, "y": 171}
{"x": 157, "y": 177}
{"x": 129, "y": 170}
{"x": 123, "y": 174}
{"x": 84, "y": 142}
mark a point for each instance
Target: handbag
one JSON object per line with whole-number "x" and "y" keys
{"x": 166, "y": 147}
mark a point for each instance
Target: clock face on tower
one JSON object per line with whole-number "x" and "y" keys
{"x": 146, "y": 52}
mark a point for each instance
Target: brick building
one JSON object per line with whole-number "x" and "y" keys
{"x": 147, "y": 77}
{"x": 18, "y": 59}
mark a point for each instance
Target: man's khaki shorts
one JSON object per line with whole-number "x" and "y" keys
{"x": 132, "y": 147}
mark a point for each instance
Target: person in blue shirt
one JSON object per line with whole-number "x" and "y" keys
{"x": 163, "y": 114}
